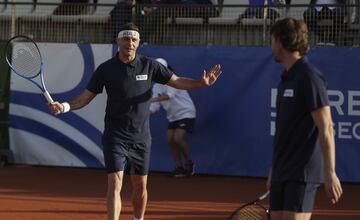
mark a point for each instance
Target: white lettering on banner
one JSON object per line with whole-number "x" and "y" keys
{"x": 353, "y": 102}
{"x": 347, "y": 130}
{"x": 338, "y": 102}
{"x": 344, "y": 104}
{"x": 273, "y": 97}
{"x": 343, "y": 131}
{"x": 273, "y": 111}
{"x": 272, "y": 128}
{"x": 356, "y": 131}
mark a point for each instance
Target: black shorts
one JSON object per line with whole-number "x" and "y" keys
{"x": 133, "y": 158}
{"x": 187, "y": 124}
{"x": 292, "y": 196}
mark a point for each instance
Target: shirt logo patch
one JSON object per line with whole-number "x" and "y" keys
{"x": 289, "y": 93}
{"x": 141, "y": 77}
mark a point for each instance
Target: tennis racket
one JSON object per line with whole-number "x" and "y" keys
{"x": 252, "y": 210}
{"x": 24, "y": 58}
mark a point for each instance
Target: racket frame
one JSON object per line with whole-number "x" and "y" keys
{"x": 254, "y": 202}
{"x": 42, "y": 87}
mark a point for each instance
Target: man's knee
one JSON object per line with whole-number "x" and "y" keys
{"x": 171, "y": 141}
{"x": 115, "y": 181}
{"x": 179, "y": 137}
{"x": 139, "y": 183}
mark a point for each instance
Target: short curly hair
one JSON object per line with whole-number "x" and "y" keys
{"x": 293, "y": 35}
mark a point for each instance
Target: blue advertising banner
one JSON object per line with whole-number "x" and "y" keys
{"x": 235, "y": 117}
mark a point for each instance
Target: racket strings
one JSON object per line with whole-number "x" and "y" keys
{"x": 26, "y": 59}
{"x": 251, "y": 212}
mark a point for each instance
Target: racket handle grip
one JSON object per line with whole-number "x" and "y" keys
{"x": 48, "y": 97}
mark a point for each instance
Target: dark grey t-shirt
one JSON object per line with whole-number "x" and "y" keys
{"x": 128, "y": 87}
{"x": 297, "y": 154}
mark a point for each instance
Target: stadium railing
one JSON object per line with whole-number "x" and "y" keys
{"x": 229, "y": 23}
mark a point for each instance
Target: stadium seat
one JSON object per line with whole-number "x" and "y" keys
{"x": 102, "y": 13}
{"x": 3, "y": 6}
{"x": 41, "y": 12}
{"x": 46, "y": 10}
{"x": 229, "y": 15}
{"x": 352, "y": 34}
{"x": 99, "y": 14}
{"x": 189, "y": 20}
{"x": 196, "y": 19}
{"x": 20, "y": 9}
{"x": 297, "y": 11}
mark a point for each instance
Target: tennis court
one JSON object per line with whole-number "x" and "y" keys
{"x": 235, "y": 124}
{"x": 43, "y": 193}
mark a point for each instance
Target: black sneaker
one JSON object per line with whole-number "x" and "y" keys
{"x": 179, "y": 172}
{"x": 190, "y": 171}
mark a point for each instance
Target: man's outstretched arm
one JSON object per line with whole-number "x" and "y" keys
{"x": 208, "y": 79}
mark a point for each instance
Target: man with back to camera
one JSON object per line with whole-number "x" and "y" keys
{"x": 304, "y": 146}
{"x": 127, "y": 78}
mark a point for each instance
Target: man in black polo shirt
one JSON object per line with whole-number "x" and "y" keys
{"x": 127, "y": 79}
{"x": 304, "y": 148}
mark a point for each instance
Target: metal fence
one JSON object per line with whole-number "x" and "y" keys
{"x": 231, "y": 25}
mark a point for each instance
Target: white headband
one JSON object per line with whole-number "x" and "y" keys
{"x": 129, "y": 33}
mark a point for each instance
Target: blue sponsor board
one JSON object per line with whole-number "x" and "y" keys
{"x": 235, "y": 124}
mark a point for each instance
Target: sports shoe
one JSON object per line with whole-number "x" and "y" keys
{"x": 190, "y": 171}
{"x": 179, "y": 172}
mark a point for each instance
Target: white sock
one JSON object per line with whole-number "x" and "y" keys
{"x": 138, "y": 218}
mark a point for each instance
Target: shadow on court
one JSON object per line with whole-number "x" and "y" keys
{"x": 43, "y": 193}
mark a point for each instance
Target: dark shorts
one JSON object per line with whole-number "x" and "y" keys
{"x": 133, "y": 158}
{"x": 187, "y": 124}
{"x": 292, "y": 196}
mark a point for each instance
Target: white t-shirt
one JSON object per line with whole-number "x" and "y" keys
{"x": 179, "y": 105}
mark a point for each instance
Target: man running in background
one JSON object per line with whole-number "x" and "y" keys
{"x": 181, "y": 114}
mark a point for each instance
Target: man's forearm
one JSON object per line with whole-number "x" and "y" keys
{"x": 160, "y": 98}
{"x": 77, "y": 103}
{"x": 323, "y": 121}
{"x": 81, "y": 100}
{"x": 186, "y": 83}
{"x": 327, "y": 144}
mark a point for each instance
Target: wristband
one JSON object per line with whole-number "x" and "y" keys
{"x": 66, "y": 106}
